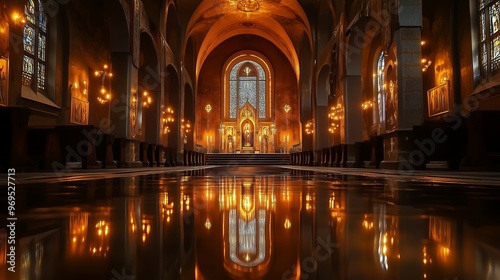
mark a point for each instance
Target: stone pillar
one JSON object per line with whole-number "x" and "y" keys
{"x": 353, "y": 111}
{"x": 322, "y": 125}
{"x": 398, "y": 144}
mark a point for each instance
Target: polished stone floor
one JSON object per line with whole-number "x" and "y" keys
{"x": 255, "y": 223}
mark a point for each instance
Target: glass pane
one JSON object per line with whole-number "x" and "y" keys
{"x": 41, "y": 76}
{"x": 495, "y": 54}
{"x": 234, "y": 72}
{"x": 28, "y": 65}
{"x": 29, "y": 39}
{"x": 484, "y": 58}
{"x": 233, "y": 90}
{"x": 260, "y": 70}
{"x": 28, "y": 70}
{"x": 41, "y": 47}
{"x": 380, "y": 87}
{"x": 262, "y": 99}
{"x": 42, "y": 17}
{"x": 243, "y": 88}
{"x": 248, "y": 91}
{"x": 482, "y": 25}
{"x": 494, "y": 12}
{"x": 29, "y": 11}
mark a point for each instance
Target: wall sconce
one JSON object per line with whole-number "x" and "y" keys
{"x": 104, "y": 96}
{"x": 18, "y": 19}
{"x": 367, "y": 105}
{"x": 426, "y": 64}
{"x": 167, "y": 118}
{"x": 208, "y": 108}
{"x": 186, "y": 126}
{"x": 146, "y": 99}
{"x": 287, "y": 108}
{"x": 248, "y": 5}
{"x": 335, "y": 116}
{"x": 309, "y": 127}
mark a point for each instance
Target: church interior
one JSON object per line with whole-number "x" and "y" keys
{"x": 250, "y": 139}
{"x": 389, "y": 84}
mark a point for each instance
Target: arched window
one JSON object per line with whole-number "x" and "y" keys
{"x": 489, "y": 36}
{"x": 247, "y": 83}
{"x": 380, "y": 90}
{"x": 35, "y": 46}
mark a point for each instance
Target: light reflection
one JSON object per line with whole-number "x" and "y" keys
{"x": 98, "y": 234}
{"x": 247, "y": 216}
{"x": 78, "y": 227}
{"x": 287, "y": 224}
{"x": 386, "y": 235}
{"x": 167, "y": 207}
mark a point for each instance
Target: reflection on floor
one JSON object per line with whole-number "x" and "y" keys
{"x": 254, "y": 223}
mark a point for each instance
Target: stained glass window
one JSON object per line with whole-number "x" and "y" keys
{"x": 42, "y": 17}
{"x": 41, "y": 47}
{"x": 247, "y": 83}
{"x": 380, "y": 89}
{"x": 29, "y": 39}
{"x": 35, "y": 46}
{"x": 41, "y": 76}
{"x": 29, "y": 11}
{"x": 489, "y": 36}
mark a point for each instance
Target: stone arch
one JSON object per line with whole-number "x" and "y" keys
{"x": 173, "y": 32}
{"x": 325, "y": 29}
{"x": 189, "y": 61}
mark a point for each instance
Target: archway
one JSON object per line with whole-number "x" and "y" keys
{"x": 173, "y": 32}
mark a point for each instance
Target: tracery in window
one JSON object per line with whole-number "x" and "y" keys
{"x": 247, "y": 83}
{"x": 35, "y": 46}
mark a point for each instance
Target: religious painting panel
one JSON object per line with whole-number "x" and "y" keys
{"x": 79, "y": 111}
{"x": 4, "y": 81}
{"x": 438, "y": 100}
{"x": 391, "y": 104}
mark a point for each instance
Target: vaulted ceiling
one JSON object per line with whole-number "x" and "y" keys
{"x": 282, "y": 22}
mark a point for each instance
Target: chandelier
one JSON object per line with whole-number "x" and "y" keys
{"x": 248, "y": 5}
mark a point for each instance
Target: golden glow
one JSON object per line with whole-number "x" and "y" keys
{"x": 287, "y": 108}
{"x": 367, "y": 105}
{"x": 18, "y": 18}
{"x": 309, "y": 127}
{"x": 208, "y": 224}
{"x": 105, "y": 96}
{"x": 287, "y": 223}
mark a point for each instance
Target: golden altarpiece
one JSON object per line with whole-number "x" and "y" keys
{"x": 247, "y": 124}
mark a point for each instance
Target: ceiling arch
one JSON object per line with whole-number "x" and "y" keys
{"x": 282, "y": 22}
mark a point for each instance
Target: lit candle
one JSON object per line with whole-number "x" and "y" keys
{"x": 207, "y": 140}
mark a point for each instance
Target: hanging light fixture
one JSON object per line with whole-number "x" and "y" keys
{"x": 248, "y": 5}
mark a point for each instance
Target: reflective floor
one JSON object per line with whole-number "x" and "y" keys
{"x": 255, "y": 223}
